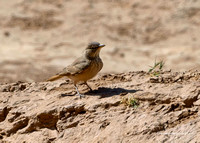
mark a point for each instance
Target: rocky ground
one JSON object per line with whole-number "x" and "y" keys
{"x": 122, "y": 108}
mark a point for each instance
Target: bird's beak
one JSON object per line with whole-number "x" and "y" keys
{"x": 101, "y": 45}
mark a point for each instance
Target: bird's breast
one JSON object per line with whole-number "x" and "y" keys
{"x": 92, "y": 70}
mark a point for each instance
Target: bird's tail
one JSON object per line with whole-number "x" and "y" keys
{"x": 55, "y": 77}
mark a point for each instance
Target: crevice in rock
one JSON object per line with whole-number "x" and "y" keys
{"x": 173, "y": 107}
{"x": 104, "y": 124}
{"x": 3, "y": 113}
{"x": 47, "y": 120}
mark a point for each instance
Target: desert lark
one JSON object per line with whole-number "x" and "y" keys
{"x": 84, "y": 68}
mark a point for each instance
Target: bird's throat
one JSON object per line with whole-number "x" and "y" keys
{"x": 91, "y": 54}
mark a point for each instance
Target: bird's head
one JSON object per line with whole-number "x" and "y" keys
{"x": 93, "y": 49}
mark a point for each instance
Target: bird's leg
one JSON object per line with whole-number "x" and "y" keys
{"x": 78, "y": 94}
{"x": 88, "y": 86}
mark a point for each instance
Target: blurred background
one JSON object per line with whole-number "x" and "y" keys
{"x": 38, "y": 38}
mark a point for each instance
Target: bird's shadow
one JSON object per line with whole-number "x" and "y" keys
{"x": 108, "y": 92}
{"x": 104, "y": 92}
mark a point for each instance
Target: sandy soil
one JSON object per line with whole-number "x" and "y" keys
{"x": 40, "y": 37}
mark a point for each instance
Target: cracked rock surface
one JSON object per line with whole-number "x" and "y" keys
{"x": 168, "y": 110}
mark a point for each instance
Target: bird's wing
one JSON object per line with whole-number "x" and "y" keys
{"x": 76, "y": 67}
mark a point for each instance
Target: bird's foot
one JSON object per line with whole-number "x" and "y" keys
{"x": 80, "y": 95}
{"x": 77, "y": 92}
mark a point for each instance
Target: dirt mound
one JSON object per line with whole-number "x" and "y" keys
{"x": 128, "y": 107}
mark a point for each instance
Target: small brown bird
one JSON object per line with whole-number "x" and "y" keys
{"x": 83, "y": 68}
